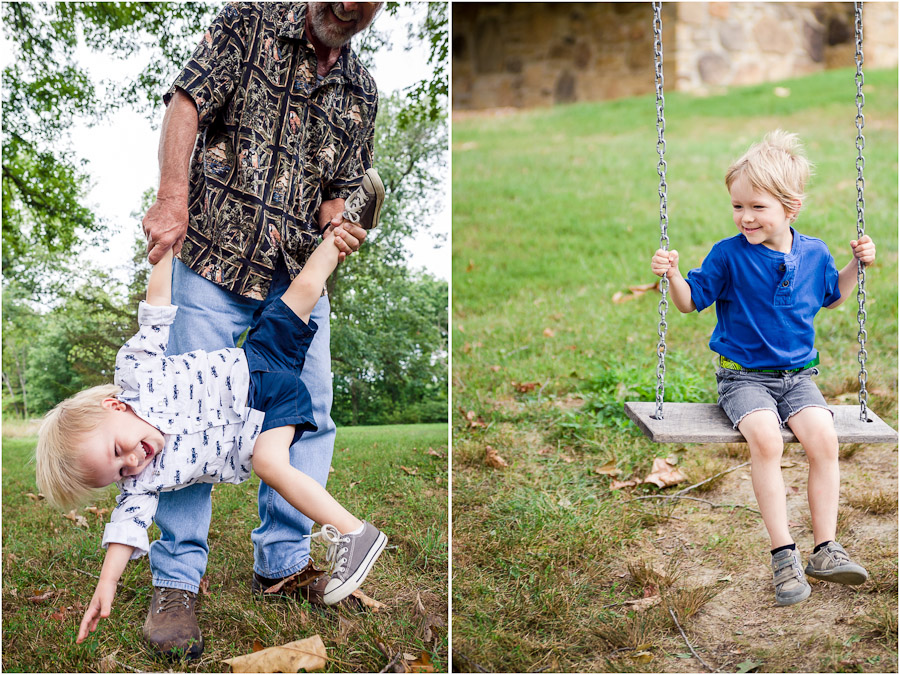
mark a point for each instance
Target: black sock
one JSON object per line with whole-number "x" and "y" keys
{"x": 822, "y": 545}
{"x": 792, "y": 547}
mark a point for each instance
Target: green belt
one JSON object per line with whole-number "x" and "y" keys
{"x": 731, "y": 365}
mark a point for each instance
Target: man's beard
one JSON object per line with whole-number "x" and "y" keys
{"x": 328, "y": 30}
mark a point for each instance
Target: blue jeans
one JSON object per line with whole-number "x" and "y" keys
{"x": 210, "y": 317}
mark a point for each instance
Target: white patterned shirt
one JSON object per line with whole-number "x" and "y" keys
{"x": 199, "y": 401}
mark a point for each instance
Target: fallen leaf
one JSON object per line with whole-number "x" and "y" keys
{"x": 331, "y": 469}
{"x": 633, "y": 292}
{"x": 108, "y": 663}
{"x": 525, "y": 387}
{"x": 41, "y": 596}
{"x": 619, "y": 484}
{"x": 748, "y": 666}
{"x": 257, "y": 645}
{"x": 545, "y": 450}
{"x": 433, "y": 453}
{"x": 59, "y": 615}
{"x": 549, "y": 332}
{"x": 97, "y": 512}
{"x": 471, "y": 265}
{"x": 369, "y": 603}
{"x": 428, "y": 623}
{"x": 564, "y": 502}
{"x": 642, "y": 657}
{"x": 204, "y": 586}
{"x": 34, "y": 497}
{"x": 411, "y": 472}
{"x": 474, "y": 420}
{"x": 495, "y": 368}
{"x": 297, "y": 580}
{"x": 664, "y": 474}
{"x": 307, "y": 654}
{"x": 345, "y": 627}
{"x": 781, "y": 92}
{"x": 608, "y": 469}
{"x": 493, "y": 459}
{"x": 640, "y": 604}
{"x": 79, "y": 520}
{"x": 410, "y": 664}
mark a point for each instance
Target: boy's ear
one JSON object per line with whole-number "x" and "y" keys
{"x": 110, "y": 403}
{"x": 797, "y": 204}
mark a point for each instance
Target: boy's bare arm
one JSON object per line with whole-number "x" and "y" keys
{"x": 665, "y": 263}
{"x": 863, "y": 251}
{"x": 306, "y": 288}
{"x": 159, "y": 287}
{"x": 117, "y": 557}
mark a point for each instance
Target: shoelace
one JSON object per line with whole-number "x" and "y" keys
{"x": 354, "y": 205}
{"x": 332, "y": 535}
{"x": 169, "y": 598}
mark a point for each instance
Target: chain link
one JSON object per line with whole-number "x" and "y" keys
{"x": 663, "y": 205}
{"x": 861, "y": 335}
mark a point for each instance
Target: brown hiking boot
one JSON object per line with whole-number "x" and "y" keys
{"x": 171, "y": 627}
{"x": 307, "y": 584}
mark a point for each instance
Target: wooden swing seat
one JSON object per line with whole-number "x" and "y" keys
{"x": 706, "y": 423}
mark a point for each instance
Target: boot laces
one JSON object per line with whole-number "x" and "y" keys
{"x": 354, "y": 205}
{"x": 171, "y": 598}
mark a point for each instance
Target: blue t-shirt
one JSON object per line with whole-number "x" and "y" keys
{"x": 765, "y": 300}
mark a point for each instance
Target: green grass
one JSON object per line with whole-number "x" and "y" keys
{"x": 556, "y": 210}
{"x": 43, "y": 551}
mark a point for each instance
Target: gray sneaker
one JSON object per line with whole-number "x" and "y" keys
{"x": 363, "y": 206}
{"x": 351, "y": 557}
{"x": 832, "y": 563}
{"x": 791, "y": 586}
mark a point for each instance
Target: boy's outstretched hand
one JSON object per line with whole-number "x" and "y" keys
{"x": 664, "y": 263}
{"x": 99, "y": 608}
{"x": 864, "y": 249}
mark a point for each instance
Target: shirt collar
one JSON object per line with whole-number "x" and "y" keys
{"x": 291, "y": 24}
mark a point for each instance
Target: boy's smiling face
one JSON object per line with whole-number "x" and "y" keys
{"x": 122, "y": 445}
{"x": 760, "y": 217}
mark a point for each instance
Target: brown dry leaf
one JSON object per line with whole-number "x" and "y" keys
{"x": 59, "y": 615}
{"x": 345, "y": 627}
{"x": 369, "y": 603}
{"x": 79, "y": 520}
{"x": 619, "y": 484}
{"x": 525, "y": 387}
{"x": 546, "y": 450}
{"x": 330, "y": 469}
{"x": 41, "y": 596}
{"x": 204, "y": 586}
{"x": 354, "y": 482}
{"x": 34, "y": 497}
{"x": 608, "y": 469}
{"x": 410, "y": 664}
{"x": 297, "y": 580}
{"x": 108, "y": 663}
{"x": 257, "y": 645}
{"x": 97, "y": 512}
{"x": 495, "y": 369}
{"x": 567, "y": 459}
{"x": 664, "y": 473}
{"x": 634, "y": 292}
{"x": 491, "y": 458}
{"x": 427, "y": 622}
{"x": 549, "y": 333}
{"x": 411, "y": 472}
{"x": 474, "y": 420}
{"x": 640, "y": 604}
{"x": 470, "y": 266}
{"x": 433, "y": 453}
{"x": 307, "y": 654}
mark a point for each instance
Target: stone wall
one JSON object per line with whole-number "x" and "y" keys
{"x": 538, "y": 54}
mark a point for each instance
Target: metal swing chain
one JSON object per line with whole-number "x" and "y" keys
{"x": 663, "y": 205}
{"x": 861, "y": 335}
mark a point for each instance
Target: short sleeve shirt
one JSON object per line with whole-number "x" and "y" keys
{"x": 274, "y": 141}
{"x": 766, "y": 301}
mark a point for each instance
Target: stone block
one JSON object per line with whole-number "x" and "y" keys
{"x": 732, "y": 36}
{"x": 714, "y": 68}
{"x": 773, "y": 36}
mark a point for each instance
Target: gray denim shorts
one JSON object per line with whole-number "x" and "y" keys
{"x": 742, "y": 392}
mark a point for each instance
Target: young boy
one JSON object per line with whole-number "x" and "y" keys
{"x": 168, "y": 422}
{"x": 768, "y": 283}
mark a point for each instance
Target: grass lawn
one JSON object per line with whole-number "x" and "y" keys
{"x": 395, "y": 476}
{"x": 555, "y": 211}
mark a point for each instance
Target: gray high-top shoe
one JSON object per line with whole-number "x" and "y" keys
{"x": 363, "y": 206}
{"x": 351, "y": 557}
{"x": 791, "y": 586}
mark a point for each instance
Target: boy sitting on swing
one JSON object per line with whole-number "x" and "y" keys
{"x": 171, "y": 421}
{"x": 768, "y": 283}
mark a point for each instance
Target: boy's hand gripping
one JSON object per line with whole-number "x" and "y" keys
{"x": 99, "y": 608}
{"x": 664, "y": 263}
{"x": 864, "y": 249}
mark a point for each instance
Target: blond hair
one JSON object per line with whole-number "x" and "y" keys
{"x": 60, "y": 476}
{"x": 777, "y": 165}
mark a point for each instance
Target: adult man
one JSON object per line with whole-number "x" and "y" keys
{"x": 282, "y": 116}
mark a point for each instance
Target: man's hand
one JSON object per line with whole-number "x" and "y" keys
{"x": 165, "y": 225}
{"x": 99, "y": 608}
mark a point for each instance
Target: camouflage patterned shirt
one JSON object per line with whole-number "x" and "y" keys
{"x": 273, "y": 143}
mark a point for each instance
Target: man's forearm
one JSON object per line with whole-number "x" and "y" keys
{"x": 176, "y": 144}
